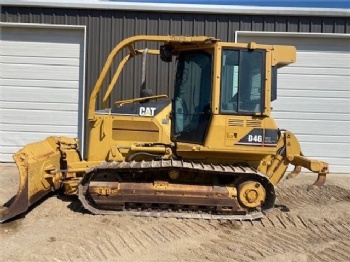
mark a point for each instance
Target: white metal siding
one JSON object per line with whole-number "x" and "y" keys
{"x": 41, "y": 85}
{"x": 314, "y": 95}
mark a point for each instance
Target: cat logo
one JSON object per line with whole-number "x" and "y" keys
{"x": 147, "y": 111}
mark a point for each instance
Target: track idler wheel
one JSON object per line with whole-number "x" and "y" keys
{"x": 251, "y": 194}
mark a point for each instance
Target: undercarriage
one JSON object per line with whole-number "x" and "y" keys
{"x": 175, "y": 188}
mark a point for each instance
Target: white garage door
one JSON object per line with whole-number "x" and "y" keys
{"x": 314, "y": 94}
{"x": 41, "y": 84}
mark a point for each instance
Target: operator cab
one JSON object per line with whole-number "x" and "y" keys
{"x": 242, "y": 89}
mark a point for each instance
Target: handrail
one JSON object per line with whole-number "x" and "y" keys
{"x": 129, "y": 101}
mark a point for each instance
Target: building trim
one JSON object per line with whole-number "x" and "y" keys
{"x": 290, "y": 34}
{"x": 181, "y": 8}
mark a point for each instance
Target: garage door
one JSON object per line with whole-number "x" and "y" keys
{"x": 41, "y": 85}
{"x": 314, "y": 94}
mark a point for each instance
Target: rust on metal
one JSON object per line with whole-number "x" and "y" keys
{"x": 116, "y": 194}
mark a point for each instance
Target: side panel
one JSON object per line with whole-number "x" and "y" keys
{"x": 225, "y": 141}
{"x": 122, "y": 128}
{"x": 243, "y": 134}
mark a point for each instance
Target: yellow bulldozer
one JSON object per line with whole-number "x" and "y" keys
{"x": 212, "y": 151}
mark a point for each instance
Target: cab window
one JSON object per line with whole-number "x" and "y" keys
{"x": 242, "y": 81}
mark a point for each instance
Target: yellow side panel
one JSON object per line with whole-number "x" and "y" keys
{"x": 127, "y": 130}
{"x": 226, "y": 131}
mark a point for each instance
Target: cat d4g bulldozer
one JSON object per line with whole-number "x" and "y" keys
{"x": 212, "y": 151}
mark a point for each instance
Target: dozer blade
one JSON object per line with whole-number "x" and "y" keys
{"x": 37, "y": 164}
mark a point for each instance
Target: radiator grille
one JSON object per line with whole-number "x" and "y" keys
{"x": 253, "y": 123}
{"x": 247, "y": 123}
{"x": 235, "y": 122}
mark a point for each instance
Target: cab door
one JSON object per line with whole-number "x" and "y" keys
{"x": 191, "y": 105}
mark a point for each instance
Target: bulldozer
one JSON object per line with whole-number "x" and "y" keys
{"x": 211, "y": 151}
